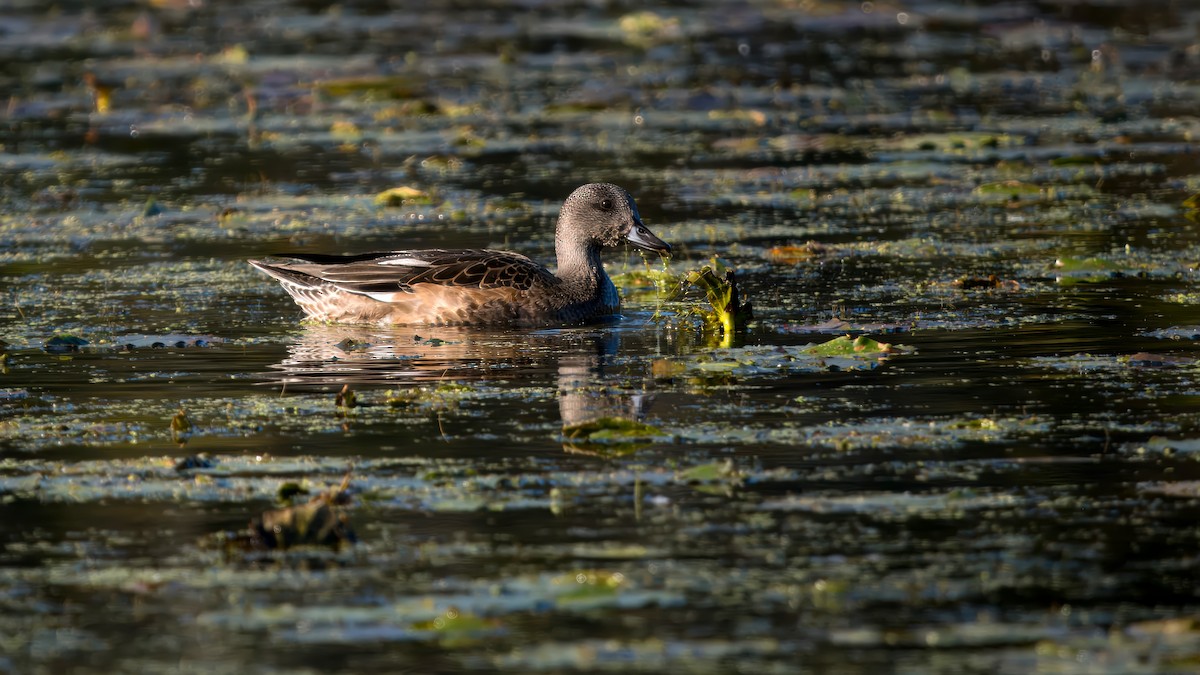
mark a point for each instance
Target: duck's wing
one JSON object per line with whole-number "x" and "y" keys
{"x": 376, "y": 273}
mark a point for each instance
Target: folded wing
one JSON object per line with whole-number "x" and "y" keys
{"x": 374, "y": 274}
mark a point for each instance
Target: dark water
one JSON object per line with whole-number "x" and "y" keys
{"x": 1001, "y": 190}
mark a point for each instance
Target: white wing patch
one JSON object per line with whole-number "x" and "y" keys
{"x": 406, "y": 262}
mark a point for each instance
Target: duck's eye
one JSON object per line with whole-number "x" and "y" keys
{"x": 606, "y": 205}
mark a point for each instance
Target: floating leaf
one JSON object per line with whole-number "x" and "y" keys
{"x": 401, "y": 196}
{"x": 443, "y": 397}
{"x": 862, "y": 345}
{"x": 391, "y": 86}
{"x": 587, "y": 586}
{"x": 712, "y": 472}
{"x": 609, "y": 437}
{"x": 455, "y": 628}
{"x": 1086, "y": 265}
{"x": 61, "y": 344}
{"x": 455, "y": 621}
{"x": 792, "y": 254}
{"x": 1146, "y": 359}
{"x": 1013, "y": 190}
{"x": 611, "y": 429}
{"x": 1086, "y": 270}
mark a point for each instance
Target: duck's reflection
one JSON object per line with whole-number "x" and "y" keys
{"x": 363, "y": 355}
{"x": 578, "y": 363}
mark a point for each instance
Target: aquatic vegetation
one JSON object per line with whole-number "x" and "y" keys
{"x": 456, "y": 629}
{"x": 318, "y": 522}
{"x": 403, "y": 196}
{"x": 649, "y": 284}
{"x": 714, "y": 472}
{"x": 444, "y": 397}
{"x": 181, "y": 426}
{"x": 370, "y": 87}
{"x": 861, "y": 346}
{"x": 842, "y": 353}
{"x": 1192, "y": 206}
{"x": 719, "y": 283}
{"x": 793, "y": 254}
{"x": 648, "y": 28}
{"x": 610, "y": 436}
{"x": 346, "y": 398}
{"x": 61, "y": 344}
{"x": 1087, "y": 270}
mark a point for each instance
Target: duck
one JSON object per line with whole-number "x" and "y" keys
{"x": 476, "y": 287}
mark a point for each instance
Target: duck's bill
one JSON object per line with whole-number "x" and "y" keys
{"x": 641, "y": 237}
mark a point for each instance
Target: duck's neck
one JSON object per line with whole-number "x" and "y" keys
{"x": 582, "y": 273}
{"x": 579, "y": 264}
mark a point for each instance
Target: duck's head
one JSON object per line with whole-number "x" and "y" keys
{"x": 606, "y": 215}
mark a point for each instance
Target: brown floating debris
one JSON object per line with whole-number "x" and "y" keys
{"x": 317, "y": 522}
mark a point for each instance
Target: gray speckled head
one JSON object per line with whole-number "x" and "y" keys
{"x": 603, "y": 215}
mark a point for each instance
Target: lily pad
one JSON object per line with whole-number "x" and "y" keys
{"x": 861, "y": 346}
{"x": 1086, "y": 270}
{"x": 711, "y": 472}
{"x": 611, "y": 430}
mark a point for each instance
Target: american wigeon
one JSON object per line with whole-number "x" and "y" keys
{"x": 476, "y": 286}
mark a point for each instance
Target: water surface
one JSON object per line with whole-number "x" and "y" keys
{"x": 1001, "y": 192}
